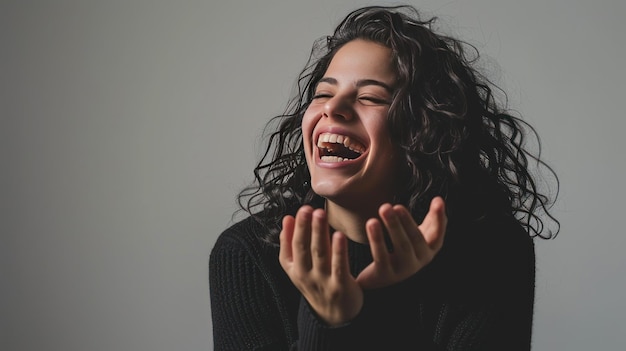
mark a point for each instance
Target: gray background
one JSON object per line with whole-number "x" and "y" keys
{"x": 127, "y": 128}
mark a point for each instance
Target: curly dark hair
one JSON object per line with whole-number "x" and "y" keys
{"x": 455, "y": 139}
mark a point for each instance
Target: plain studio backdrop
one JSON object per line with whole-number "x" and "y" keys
{"x": 128, "y": 127}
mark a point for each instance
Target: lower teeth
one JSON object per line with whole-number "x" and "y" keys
{"x": 334, "y": 159}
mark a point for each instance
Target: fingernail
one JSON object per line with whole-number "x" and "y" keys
{"x": 319, "y": 213}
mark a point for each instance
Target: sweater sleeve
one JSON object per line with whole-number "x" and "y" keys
{"x": 243, "y": 306}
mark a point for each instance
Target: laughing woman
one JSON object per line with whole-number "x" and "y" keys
{"x": 393, "y": 209}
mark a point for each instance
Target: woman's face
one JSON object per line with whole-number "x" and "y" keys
{"x": 347, "y": 143}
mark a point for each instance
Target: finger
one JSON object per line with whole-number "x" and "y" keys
{"x": 285, "y": 255}
{"x": 433, "y": 227}
{"x": 340, "y": 267}
{"x": 397, "y": 233}
{"x": 411, "y": 228}
{"x": 380, "y": 252}
{"x": 320, "y": 242}
{"x": 301, "y": 244}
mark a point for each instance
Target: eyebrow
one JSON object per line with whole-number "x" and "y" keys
{"x": 359, "y": 83}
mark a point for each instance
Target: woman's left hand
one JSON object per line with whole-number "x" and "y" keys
{"x": 414, "y": 246}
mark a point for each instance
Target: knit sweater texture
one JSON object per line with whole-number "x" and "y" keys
{"x": 477, "y": 294}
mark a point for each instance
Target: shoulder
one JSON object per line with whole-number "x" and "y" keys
{"x": 246, "y": 231}
{"x": 486, "y": 256}
{"x": 240, "y": 256}
{"x": 494, "y": 232}
{"x": 246, "y": 238}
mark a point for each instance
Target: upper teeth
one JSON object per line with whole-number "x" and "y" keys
{"x": 340, "y": 139}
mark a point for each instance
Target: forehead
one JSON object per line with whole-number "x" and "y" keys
{"x": 361, "y": 59}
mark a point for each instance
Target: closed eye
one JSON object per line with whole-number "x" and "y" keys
{"x": 373, "y": 100}
{"x": 322, "y": 96}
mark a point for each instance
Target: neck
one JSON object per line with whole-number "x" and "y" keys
{"x": 349, "y": 221}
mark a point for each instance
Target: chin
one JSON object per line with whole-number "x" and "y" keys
{"x": 339, "y": 193}
{"x": 327, "y": 190}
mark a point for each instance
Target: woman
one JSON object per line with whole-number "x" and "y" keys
{"x": 390, "y": 123}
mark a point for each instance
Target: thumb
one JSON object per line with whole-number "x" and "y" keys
{"x": 434, "y": 226}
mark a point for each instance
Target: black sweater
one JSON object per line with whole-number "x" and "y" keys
{"x": 477, "y": 294}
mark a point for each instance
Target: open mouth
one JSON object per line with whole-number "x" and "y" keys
{"x": 338, "y": 148}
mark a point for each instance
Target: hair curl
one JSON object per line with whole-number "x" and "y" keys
{"x": 456, "y": 141}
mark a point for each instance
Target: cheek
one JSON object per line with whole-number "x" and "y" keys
{"x": 309, "y": 120}
{"x": 380, "y": 130}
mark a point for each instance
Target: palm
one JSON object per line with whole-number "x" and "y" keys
{"x": 413, "y": 246}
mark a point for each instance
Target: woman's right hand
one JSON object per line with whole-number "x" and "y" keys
{"x": 318, "y": 269}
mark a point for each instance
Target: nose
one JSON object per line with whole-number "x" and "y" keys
{"x": 338, "y": 107}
